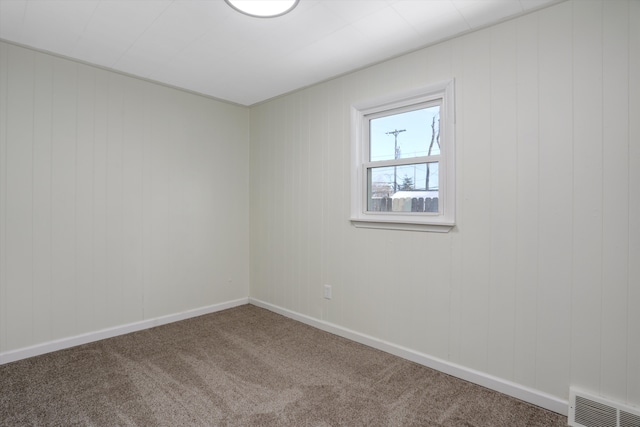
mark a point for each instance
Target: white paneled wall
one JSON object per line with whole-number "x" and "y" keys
{"x": 539, "y": 283}
{"x": 120, "y": 200}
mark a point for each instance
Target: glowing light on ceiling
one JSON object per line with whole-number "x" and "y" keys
{"x": 263, "y": 8}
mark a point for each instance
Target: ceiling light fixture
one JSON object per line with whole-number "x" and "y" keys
{"x": 263, "y": 8}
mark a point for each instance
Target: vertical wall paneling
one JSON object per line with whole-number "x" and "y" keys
{"x": 430, "y": 262}
{"x": 307, "y": 203}
{"x": 64, "y": 319}
{"x": 586, "y": 290}
{"x": 277, "y": 216}
{"x": 291, "y": 186}
{"x": 266, "y": 157}
{"x": 42, "y": 199}
{"x": 633, "y": 290}
{"x": 132, "y": 152}
{"x": 336, "y": 198}
{"x": 114, "y": 192}
{"x": 475, "y": 210}
{"x": 430, "y": 259}
{"x": 397, "y": 272}
{"x": 615, "y": 181}
{"x": 158, "y": 244}
{"x": 293, "y": 135}
{"x": 527, "y": 199}
{"x": 4, "y": 100}
{"x": 179, "y": 239}
{"x": 351, "y": 271}
{"x": 503, "y": 185}
{"x": 375, "y": 268}
{"x": 326, "y": 194}
{"x": 434, "y": 71}
{"x": 84, "y": 194}
{"x": 100, "y": 287}
{"x": 257, "y": 199}
{"x": 555, "y": 202}
{"x": 457, "y": 247}
{"x": 315, "y": 208}
{"x": 175, "y": 205}
{"x": 19, "y": 197}
{"x": 528, "y": 287}
{"x": 270, "y": 155}
{"x": 286, "y": 148}
{"x": 120, "y": 200}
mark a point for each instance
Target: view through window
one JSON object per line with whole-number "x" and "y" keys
{"x": 403, "y": 160}
{"x": 404, "y": 154}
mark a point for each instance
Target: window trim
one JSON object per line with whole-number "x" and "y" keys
{"x": 440, "y": 222}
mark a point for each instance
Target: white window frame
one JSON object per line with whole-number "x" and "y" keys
{"x": 361, "y": 113}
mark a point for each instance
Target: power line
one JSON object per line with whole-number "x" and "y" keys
{"x": 395, "y": 133}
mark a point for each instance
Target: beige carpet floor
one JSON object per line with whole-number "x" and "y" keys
{"x": 245, "y": 367}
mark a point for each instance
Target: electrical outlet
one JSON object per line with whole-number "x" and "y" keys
{"x": 327, "y": 291}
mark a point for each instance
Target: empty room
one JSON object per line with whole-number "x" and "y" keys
{"x": 333, "y": 213}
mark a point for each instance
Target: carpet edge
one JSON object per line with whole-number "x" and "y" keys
{"x": 73, "y": 341}
{"x": 510, "y": 388}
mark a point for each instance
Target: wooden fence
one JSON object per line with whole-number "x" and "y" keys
{"x": 404, "y": 204}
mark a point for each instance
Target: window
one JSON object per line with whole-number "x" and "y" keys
{"x": 403, "y": 161}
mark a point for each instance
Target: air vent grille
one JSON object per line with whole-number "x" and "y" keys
{"x": 628, "y": 419}
{"x": 594, "y": 414}
{"x": 587, "y": 410}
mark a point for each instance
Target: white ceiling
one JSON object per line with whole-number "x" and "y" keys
{"x": 206, "y": 47}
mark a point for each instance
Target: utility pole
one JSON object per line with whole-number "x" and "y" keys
{"x": 397, "y": 155}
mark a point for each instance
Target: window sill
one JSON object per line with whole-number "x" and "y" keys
{"x": 404, "y": 226}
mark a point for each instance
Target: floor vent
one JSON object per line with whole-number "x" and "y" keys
{"x": 586, "y": 410}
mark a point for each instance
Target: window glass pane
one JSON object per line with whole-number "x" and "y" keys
{"x": 405, "y": 135}
{"x": 408, "y": 188}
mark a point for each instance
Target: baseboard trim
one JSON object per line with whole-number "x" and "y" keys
{"x": 61, "y": 344}
{"x": 535, "y": 397}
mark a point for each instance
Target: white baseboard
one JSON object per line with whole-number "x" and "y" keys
{"x": 516, "y": 390}
{"x": 23, "y": 353}
{"x": 509, "y": 388}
